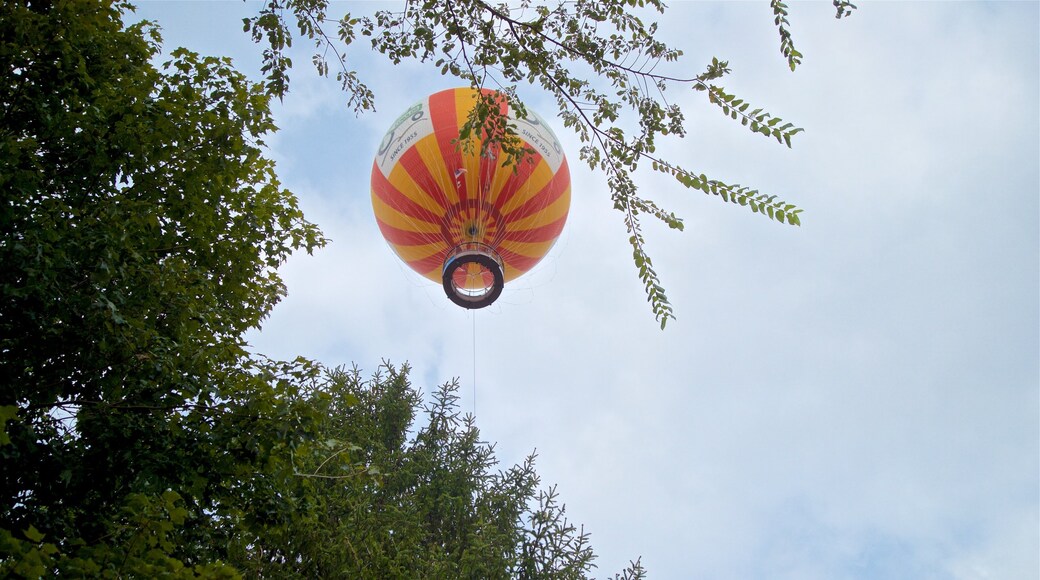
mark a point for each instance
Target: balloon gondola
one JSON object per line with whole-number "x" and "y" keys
{"x": 465, "y": 216}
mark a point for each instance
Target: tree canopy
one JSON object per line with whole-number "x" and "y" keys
{"x": 600, "y": 61}
{"x": 141, "y": 227}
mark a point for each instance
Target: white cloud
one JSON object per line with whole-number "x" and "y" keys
{"x": 855, "y": 398}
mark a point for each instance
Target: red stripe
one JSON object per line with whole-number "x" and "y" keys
{"x": 400, "y": 237}
{"x": 488, "y": 166}
{"x": 517, "y": 181}
{"x": 413, "y": 163}
{"x": 444, "y": 116}
{"x": 398, "y": 201}
{"x": 539, "y": 234}
{"x": 518, "y": 262}
{"x": 424, "y": 265}
{"x": 550, "y": 193}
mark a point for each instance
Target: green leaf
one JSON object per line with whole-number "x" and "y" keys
{"x": 33, "y": 535}
{"x": 7, "y": 413}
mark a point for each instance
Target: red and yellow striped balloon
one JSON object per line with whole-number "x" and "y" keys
{"x": 461, "y": 218}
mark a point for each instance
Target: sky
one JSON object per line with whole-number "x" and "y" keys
{"x": 855, "y": 398}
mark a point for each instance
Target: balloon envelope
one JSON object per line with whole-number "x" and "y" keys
{"x": 461, "y": 217}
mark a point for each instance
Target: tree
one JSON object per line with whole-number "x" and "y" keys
{"x": 370, "y": 501}
{"x": 141, "y": 231}
{"x": 141, "y": 228}
{"x": 597, "y": 58}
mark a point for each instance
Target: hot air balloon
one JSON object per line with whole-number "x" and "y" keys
{"x": 465, "y": 217}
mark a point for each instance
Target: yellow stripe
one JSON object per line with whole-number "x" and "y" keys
{"x": 420, "y": 252}
{"x": 430, "y": 153}
{"x": 465, "y": 101}
{"x": 404, "y": 183}
{"x": 391, "y": 217}
{"x": 409, "y": 254}
{"x": 499, "y": 178}
{"x": 552, "y": 212}
{"x": 539, "y": 178}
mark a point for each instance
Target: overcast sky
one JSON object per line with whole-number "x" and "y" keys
{"x": 855, "y": 398}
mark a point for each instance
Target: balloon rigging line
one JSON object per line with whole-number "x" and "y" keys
{"x": 474, "y": 313}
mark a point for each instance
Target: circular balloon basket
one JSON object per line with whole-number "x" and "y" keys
{"x": 473, "y": 275}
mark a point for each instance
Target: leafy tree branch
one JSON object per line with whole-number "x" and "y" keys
{"x": 601, "y": 62}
